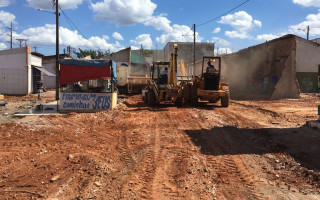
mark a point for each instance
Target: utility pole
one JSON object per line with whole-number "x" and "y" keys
{"x": 57, "y": 49}
{"x": 10, "y": 36}
{"x": 194, "y": 49}
{"x": 69, "y": 50}
{"x": 21, "y": 40}
{"x": 156, "y": 51}
{"x": 304, "y": 30}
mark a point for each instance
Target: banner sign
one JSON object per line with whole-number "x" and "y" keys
{"x": 86, "y": 101}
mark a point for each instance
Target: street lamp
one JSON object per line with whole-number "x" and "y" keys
{"x": 304, "y": 30}
{"x": 57, "y": 44}
{"x": 42, "y": 10}
{"x": 57, "y": 50}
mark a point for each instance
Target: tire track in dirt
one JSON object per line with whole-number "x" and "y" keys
{"x": 234, "y": 179}
{"x": 147, "y": 168}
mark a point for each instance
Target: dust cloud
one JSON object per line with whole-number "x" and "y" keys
{"x": 265, "y": 71}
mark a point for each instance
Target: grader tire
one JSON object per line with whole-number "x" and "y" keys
{"x": 151, "y": 101}
{"x": 193, "y": 96}
{"x": 186, "y": 93}
{"x": 178, "y": 102}
{"x": 145, "y": 99}
{"x": 225, "y": 100}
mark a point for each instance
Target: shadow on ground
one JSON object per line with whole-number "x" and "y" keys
{"x": 164, "y": 105}
{"x": 301, "y": 143}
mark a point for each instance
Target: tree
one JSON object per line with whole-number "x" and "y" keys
{"x": 94, "y": 54}
{"x": 145, "y": 52}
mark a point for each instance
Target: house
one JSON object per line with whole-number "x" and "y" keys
{"x": 49, "y": 64}
{"x": 280, "y": 68}
{"x": 186, "y": 51}
{"x": 20, "y": 70}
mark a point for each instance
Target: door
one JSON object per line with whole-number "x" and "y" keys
{"x": 36, "y": 77}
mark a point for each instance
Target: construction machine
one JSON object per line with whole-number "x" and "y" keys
{"x": 164, "y": 86}
{"x": 3, "y": 102}
{"x": 207, "y": 86}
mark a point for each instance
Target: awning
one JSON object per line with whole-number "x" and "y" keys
{"x": 72, "y": 71}
{"x": 43, "y": 70}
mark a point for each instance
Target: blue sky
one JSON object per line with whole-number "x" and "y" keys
{"x": 117, "y": 24}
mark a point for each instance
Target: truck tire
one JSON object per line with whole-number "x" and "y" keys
{"x": 151, "y": 98}
{"x": 225, "y": 100}
{"x": 193, "y": 96}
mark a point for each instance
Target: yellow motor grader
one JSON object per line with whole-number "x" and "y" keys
{"x": 207, "y": 86}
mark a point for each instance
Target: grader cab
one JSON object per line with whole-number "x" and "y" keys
{"x": 208, "y": 85}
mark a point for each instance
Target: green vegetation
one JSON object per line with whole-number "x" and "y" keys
{"x": 94, "y": 54}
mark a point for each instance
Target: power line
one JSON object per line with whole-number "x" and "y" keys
{"x": 224, "y": 13}
{"x": 21, "y": 40}
{"x": 192, "y": 27}
{"x": 68, "y": 19}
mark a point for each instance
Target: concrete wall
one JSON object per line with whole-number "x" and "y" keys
{"x": 267, "y": 69}
{"x": 308, "y": 58}
{"x": 14, "y": 72}
{"x": 120, "y": 56}
{"x": 185, "y": 52}
{"x": 36, "y": 61}
{"x": 49, "y": 63}
{"x": 307, "y": 62}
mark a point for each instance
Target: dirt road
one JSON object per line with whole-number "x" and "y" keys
{"x": 250, "y": 150}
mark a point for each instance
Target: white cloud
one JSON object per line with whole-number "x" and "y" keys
{"x": 179, "y": 33}
{"x": 6, "y": 18}
{"x": 130, "y": 12}
{"x": 307, "y": 3}
{"x": 159, "y": 23}
{"x": 242, "y": 22}
{"x": 48, "y": 4}
{"x": 125, "y": 12}
{"x": 257, "y": 23}
{"x": 144, "y": 40}
{"x": 117, "y": 36}
{"x": 45, "y": 36}
{"x": 105, "y": 37}
{"x": 221, "y": 51}
{"x": 220, "y": 42}
{"x": 237, "y": 34}
{"x": 3, "y": 46}
{"x": 216, "y": 30}
{"x": 266, "y": 37}
{"x": 312, "y": 20}
{"x": 4, "y": 3}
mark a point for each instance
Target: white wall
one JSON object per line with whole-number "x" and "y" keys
{"x": 13, "y": 58}
{"x": 50, "y": 66}
{"x": 307, "y": 59}
{"x": 36, "y": 61}
{"x": 14, "y": 72}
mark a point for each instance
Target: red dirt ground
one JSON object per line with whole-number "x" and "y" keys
{"x": 250, "y": 150}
